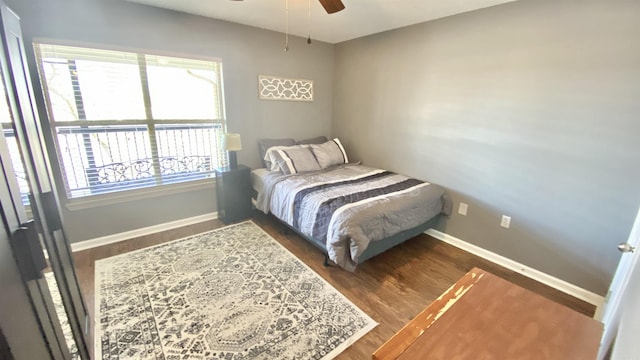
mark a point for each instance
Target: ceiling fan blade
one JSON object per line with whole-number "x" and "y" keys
{"x": 332, "y": 6}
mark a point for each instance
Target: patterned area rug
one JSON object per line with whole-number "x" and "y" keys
{"x": 62, "y": 315}
{"x": 231, "y": 293}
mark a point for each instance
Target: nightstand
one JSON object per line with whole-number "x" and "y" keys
{"x": 233, "y": 192}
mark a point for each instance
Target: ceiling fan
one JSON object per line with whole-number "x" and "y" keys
{"x": 331, "y": 6}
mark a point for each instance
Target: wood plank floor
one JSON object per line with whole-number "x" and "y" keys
{"x": 391, "y": 288}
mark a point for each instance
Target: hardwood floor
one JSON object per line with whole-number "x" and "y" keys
{"x": 391, "y": 288}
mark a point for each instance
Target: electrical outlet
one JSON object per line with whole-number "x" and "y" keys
{"x": 506, "y": 221}
{"x": 462, "y": 209}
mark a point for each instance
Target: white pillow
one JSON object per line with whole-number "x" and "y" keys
{"x": 291, "y": 159}
{"x": 269, "y": 157}
{"x": 330, "y": 153}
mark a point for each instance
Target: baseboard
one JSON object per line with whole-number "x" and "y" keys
{"x": 110, "y": 239}
{"x": 554, "y": 282}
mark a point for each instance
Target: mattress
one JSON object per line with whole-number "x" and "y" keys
{"x": 258, "y": 180}
{"x": 347, "y": 207}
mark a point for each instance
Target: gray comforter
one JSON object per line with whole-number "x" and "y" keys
{"x": 349, "y": 206}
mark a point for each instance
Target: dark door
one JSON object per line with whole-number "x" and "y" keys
{"x": 34, "y": 203}
{"x": 21, "y": 329}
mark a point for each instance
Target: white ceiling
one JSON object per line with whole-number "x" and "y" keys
{"x": 359, "y": 18}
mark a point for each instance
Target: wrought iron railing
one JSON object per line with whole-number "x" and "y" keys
{"x": 106, "y": 158}
{"x": 140, "y": 173}
{"x": 102, "y": 159}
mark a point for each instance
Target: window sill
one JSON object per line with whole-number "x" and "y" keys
{"x": 138, "y": 194}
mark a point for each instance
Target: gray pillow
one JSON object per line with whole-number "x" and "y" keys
{"x": 330, "y": 153}
{"x": 315, "y": 140}
{"x": 295, "y": 160}
{"x": 264, "y": 144}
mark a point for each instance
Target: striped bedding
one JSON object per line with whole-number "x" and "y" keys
{"x": 349, "y": 206}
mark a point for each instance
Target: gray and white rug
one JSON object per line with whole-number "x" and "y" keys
{"x": 62, "y": 315}
{"x": 231, "y": 293}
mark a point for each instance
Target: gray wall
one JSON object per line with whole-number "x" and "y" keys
{"x": 245, "y": 52}
{"x": 530, "y": 109}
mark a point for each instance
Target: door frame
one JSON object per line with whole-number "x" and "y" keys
{"x": 21, "y": 324}
{"x": 45, "y": 205}
{"x": 611, "y": 309}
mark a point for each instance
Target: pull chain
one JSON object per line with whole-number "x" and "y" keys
{"x": 286, "y": 25}
{"x": 309, "y": 24}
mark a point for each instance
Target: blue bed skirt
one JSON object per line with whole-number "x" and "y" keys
{"x": 376, "y": 247}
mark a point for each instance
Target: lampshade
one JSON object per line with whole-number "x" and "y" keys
{"x": 232, "y": 142}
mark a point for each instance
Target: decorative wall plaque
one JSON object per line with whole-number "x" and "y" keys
{"x": 279, "y": 88}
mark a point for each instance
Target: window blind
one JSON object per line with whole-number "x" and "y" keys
{"x": 125, "y": 120}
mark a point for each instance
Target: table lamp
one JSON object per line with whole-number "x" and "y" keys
{"x": 232, "y": 143}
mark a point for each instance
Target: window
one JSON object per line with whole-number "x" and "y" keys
{"x": 125, "y": 120}
{"x": 6, "y": 120}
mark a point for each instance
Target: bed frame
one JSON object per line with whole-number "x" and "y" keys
{"x": 375, "y": 247}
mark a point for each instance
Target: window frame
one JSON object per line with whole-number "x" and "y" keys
{"x": 160, "y": 188}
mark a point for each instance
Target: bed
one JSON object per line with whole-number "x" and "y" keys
{"x": 350, "y": 211}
